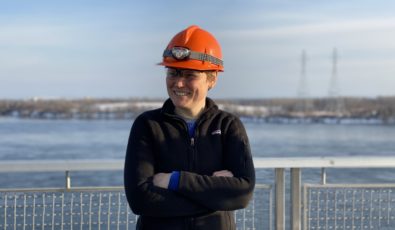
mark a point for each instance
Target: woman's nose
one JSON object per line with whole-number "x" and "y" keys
{"x": 180, "y": 82}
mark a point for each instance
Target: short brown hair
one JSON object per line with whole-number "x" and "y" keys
{"x": 211, "y": 75}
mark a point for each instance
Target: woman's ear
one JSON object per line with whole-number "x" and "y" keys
{"x": 212, "y": 80}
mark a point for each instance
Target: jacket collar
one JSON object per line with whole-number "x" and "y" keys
{"x": 168, "y": 108}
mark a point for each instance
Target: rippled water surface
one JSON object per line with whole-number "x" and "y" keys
{"x": 102, "y": 139}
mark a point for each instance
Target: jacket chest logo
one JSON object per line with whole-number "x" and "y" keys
{"x": 216, "y": 132}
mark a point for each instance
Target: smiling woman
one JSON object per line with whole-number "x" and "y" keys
{"x": 189, "y": 163}
{"x": 188, "y": 90}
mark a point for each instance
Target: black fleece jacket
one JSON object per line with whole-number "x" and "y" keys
{"x": 159, "y": 142}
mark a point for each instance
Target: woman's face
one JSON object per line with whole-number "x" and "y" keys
{"x": 188, "y": 88}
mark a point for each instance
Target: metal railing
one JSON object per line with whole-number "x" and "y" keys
{"x": 356, "y": 206}
{"x": 98, "y": 207}
{"x": 301, "y": 210}
{"x": 312, "y": 206}
{"x": 55, "y": 209}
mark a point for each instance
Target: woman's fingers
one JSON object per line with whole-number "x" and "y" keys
{"x": 224, "y": 173}
{"x": 161, "y": 180}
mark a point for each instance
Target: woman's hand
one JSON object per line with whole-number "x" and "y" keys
{"x": 225, "y": 173}
{"x": 162, "y": 180}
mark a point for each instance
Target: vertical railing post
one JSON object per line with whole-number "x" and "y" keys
{"x": 280, "y": 199}
{"x": 68, "y": 181}
{"x": 323, "y": 176}
{"x": 296, "y": 199}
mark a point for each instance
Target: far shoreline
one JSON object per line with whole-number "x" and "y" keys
{"x": 347, "y": 110}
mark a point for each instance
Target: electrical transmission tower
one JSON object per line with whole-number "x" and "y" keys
{"x": 304, "y": 104}
{"x": 303, "y": 90}
{"x": 333, "y": 85}
{"x": 336, "y": 103}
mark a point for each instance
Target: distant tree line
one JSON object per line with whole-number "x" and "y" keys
{"x": 352, "y": 107}
{"x": 382, "y": 108}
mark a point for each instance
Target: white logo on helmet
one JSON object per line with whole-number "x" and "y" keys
{"x": 180, "y": 53}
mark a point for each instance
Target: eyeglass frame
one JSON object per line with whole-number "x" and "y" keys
{"x": 181, "y": 73}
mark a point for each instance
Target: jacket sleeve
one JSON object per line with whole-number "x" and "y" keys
{"x": 225, "y": 193}
{"x": 143, "y": 197}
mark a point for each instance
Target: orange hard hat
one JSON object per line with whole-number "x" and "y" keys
{"x": 193, "y": 48}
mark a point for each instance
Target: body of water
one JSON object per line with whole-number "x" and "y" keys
{"x": 102, "y": 139}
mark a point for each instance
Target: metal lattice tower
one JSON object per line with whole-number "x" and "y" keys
{"x": 337, "y": 104}
{"x": 333, "y": 86}
{"x": 303, "y": 89}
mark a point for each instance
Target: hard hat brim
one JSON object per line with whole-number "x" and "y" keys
{"x": 191, "y": 64}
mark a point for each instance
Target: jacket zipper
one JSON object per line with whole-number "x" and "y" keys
{"x": 192, "y": 141}
{"x": 193, "y": 144}
{"x": 193, "y": 153}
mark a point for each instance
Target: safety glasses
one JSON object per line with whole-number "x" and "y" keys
{"x": 190, "y": 75}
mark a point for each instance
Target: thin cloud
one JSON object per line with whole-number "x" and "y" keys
{"x": 34, "y": 35}
{"x": 316, "y": 28}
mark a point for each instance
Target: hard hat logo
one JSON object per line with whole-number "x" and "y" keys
{"x": 180, "y": 53}
{"x": 193, "y": 48}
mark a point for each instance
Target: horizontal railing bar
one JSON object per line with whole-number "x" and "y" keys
{"x": 325, "y": 162}
{"x": 61, "y": 165}
{"x": 73, "y": 189}
{"x": 378, "y": 185}
{"x": 89, "y": 189}
{"x": 259, "y": 162}
{"x": 263, "y": 186}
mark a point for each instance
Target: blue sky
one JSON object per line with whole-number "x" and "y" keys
{"x": 96, "y": 48}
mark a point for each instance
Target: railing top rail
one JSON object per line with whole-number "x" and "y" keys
{"x": 326, "y": 162}
{"x": 260, "y": 162}
{"x": 61, "y": 165}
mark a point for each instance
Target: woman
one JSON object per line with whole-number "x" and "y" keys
{"x": 188, "y": 164}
